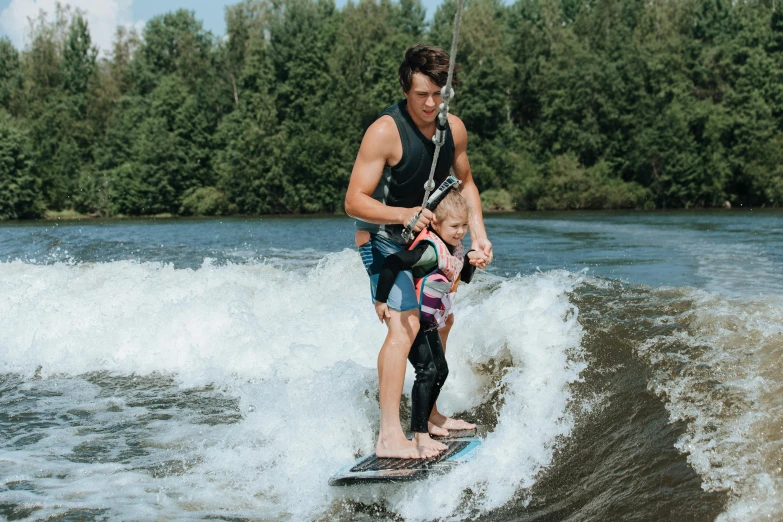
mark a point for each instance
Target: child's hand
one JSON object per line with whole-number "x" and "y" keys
{"x": 382, "y": 309}
{"x": 477, "y": 259}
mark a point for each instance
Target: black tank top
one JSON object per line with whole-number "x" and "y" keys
{"x": 406, "y": 186}
{"x": 403, "y": 184}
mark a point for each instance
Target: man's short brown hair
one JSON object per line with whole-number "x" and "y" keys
{"x": 432, "y": 62}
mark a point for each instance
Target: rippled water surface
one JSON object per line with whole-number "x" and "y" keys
{"x": 624, "y": 366}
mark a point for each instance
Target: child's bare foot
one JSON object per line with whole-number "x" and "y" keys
{"x": 398, "y": 448}
{"x": 428, "y": 446}
{"x": 437, "y": 431}
{"x": 450, "y": 424}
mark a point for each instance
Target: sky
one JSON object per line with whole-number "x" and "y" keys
{"x": 103, "y": 16}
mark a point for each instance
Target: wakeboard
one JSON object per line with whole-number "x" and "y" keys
{"x": 462, "y": 446}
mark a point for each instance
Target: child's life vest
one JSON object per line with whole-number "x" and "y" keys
{"x": 435, "y": 289}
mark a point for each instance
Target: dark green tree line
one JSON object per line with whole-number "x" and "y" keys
{"x": 569, "y": 104}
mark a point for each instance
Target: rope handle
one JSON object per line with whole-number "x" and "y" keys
{"x": 448, "y": 184}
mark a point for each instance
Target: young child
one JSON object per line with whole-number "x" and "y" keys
{"x": 438, "y": 262}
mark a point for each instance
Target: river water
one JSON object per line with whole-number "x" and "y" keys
{"x": 624, "y": 366}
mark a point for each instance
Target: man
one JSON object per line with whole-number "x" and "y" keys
{"x": 384, "y": 193}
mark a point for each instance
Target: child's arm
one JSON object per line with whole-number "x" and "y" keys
{"x": 473, "y": 259}
{"x": 392, "y": 266}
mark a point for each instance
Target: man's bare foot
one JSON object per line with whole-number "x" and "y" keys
{"x": 399, "y": 448}
{"x": 428, "y": 446}
{"x": 437, "y": 431}
{"x": 450, "y": 424}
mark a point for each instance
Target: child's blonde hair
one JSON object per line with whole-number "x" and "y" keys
{"x": 452, "y": 205}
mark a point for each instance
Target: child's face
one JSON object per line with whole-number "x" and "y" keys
{"x": 452, "y": 228}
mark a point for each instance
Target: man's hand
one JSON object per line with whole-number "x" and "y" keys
{"x": 425, "y": 218}
{"x": 485, "y": 247}
{"x": 382, "y": 309}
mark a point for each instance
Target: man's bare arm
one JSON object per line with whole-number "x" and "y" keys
{"x": 377, "y": 148}
{"x": 469, "y": 191}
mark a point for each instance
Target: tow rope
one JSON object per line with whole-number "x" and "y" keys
{"x": 441, "y": 124}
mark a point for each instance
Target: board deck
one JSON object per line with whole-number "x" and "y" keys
{"x": 370, "y": 469}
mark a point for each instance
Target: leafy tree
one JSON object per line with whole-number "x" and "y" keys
{"x": 79, "y": 58}
{"x": 10, "y": 77}
{"x": 246, "y": 24}
{"x": 174, "y": 43}
{"x": 247, "y": 142}
{"x": 301, "y": 36}
{"x": 20, "y": 191}
{"x": 42, "y": 60}
{"x": 172, "y": 147}
{"x": 61, "y": 64}
{"x": 568, "y": 104}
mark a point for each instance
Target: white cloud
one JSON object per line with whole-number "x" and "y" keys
{"x": 103, "y": 17}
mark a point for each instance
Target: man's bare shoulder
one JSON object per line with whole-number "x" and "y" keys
{"x": 456, "y": 124}
{"x": 458, "y": 130}
{"x": 384, "y": 128}
{"x": 382, "y": 136}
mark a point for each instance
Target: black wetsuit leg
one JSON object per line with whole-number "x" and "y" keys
{"x": 429, "y": 362}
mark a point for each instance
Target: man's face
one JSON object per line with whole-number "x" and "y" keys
{"x": 423, "y": 98}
